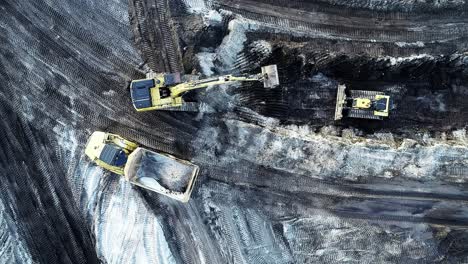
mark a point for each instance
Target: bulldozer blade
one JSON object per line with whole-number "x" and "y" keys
{"x": 271, "y": 73}
{"x": 340, "y": 100}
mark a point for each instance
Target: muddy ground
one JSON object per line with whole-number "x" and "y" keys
{"x": 280, "y": 181}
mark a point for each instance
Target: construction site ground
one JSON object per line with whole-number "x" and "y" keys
{"x": 280, "y": 181}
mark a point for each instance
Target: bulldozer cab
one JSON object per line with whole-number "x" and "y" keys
{"x": 382, "y": 104}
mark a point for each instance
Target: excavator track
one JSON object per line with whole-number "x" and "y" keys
{"x": 364, "y": 94}
{"x": 363, "y": 114}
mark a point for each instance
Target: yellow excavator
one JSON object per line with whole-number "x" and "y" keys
{"x": 155, "y": 171}
{"x": 361, "y": 104}
{"x": 159, "y": 91}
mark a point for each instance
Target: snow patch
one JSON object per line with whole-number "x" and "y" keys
{"x": 461, "y": 135}
{"x": 195, "y": 6}
{"x": 396, "y": 60}
{"x": 300, "y": 150}
{"x": 205, "y": 60}
{"x": 68, "y": 142}
{"x": 212, "y": 18}
{"x": 123, "y": 224}
{"x": 417, "y": 44}
{"x": 109, "y": 93}
{"x": 233, "y": 43}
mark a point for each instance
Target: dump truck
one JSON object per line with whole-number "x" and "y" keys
{"x": 155, "y": 171}
{"x": 160, "y": 91}
{"x": 361, "y": 104}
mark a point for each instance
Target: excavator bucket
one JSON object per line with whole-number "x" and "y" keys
{"x": 271, "y": 73}
{"x": 340, "y": 101}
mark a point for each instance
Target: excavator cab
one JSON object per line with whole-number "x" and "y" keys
{"x": 146, "y": 93}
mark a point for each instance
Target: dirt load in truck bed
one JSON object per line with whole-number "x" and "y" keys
{"x": 160, "y": 172}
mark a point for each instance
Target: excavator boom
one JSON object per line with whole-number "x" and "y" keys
{"x": 179, "y": 89}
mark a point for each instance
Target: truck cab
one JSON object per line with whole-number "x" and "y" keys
{"x": 109, "y": 151}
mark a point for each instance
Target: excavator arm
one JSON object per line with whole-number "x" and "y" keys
{"x": 179, "y": 89}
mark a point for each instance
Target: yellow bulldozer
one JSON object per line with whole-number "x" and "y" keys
{"x": 160, "y": 91}
{"x": 361, "y": 104}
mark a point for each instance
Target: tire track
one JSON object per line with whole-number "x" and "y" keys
{"x": 155, "y": 35}
{"x": 304, "y": 184}
{"x": 304, "y": 205}
{"x": 344, "y": 28}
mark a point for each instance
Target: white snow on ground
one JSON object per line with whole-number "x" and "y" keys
{"x": 243, "y": 234}
{"x": 212, "y": 18}
{"x": 397, "y": 60}
{"x": 110, "y": 92}
{"x": 205, "y": 60}
{"x": 337, "y": 240}
{"x": 233, "y": 43}
{"x": 418, "y": 44}
{"x": 13, "y": 248}
{"x": 461, "y": 135}
{"x": 68, "y": 143}
{"x": 91, "y": 186}
{"x": 126, "y": 231}
{"x": 263, "y": 44}
{"x": 195, "y": 6}
{"x": 300, "y": 150}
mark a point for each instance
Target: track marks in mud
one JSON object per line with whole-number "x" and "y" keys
{"x": 367, "y": 28}
{"x": 306, "y": 224}
{"x": 429, "y": 93}
{"x": 155, "y": 35}
{"x": 39, "y": 197}
{"x": 339, "y": 28}
{"x": 302, "y": 205}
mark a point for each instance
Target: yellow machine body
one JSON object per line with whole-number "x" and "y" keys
{"x": 385, "y": 112}
{"x": 101, "y": 141}
{"x": 166, "y": 169}
{"x": 158, "y": 172}
{"x": 161, "y": 91}
{"x": 361, "y": 104}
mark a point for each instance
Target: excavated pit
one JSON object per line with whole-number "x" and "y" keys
{"x": 280, "y": 181}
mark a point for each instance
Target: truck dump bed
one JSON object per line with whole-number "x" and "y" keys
{"x": 161, "y": 173}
